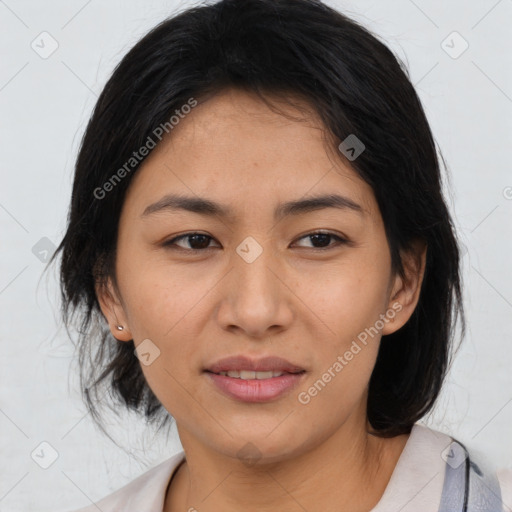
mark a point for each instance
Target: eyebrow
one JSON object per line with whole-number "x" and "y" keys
{"x": 207, "y": 207}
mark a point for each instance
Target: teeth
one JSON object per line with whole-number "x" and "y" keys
{"x": 249, "y": 375}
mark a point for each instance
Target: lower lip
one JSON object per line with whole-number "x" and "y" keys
{"x": 256, "y": 390}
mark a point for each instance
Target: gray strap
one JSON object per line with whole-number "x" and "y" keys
{"x": 469, "y": 486}
{"x": 484, "y": 488}
{"x": 453, "y": 496}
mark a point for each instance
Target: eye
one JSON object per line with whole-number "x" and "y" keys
{"x": 322, "y": 238}
{"x": 198, "y": 242}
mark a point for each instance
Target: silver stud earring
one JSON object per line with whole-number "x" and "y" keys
{"x": 120, "y": 327}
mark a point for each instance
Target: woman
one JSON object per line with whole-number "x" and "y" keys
{"x": 257, "y": 224}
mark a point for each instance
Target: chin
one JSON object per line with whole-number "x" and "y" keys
{"x": 256, "y": 450}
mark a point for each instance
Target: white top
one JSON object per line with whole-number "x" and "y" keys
{"x": 416, "y": 482}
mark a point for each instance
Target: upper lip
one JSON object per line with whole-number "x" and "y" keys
{"x": 242, "y": 362}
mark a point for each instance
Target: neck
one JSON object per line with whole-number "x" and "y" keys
{"x": 348, "y": 471}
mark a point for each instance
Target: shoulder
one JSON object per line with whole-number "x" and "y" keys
{"x": 429, "y": 451}
{"x": 488, "y": 483}
{"x": 146, "y": 492}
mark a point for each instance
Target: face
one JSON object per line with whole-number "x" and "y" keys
{"x": 302, "y": 284}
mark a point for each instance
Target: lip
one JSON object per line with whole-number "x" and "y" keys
{"x": 241, "y": 362}
{"x": 255, "y": 390}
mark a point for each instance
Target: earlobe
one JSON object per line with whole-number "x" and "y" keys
{"x": 405, "y": 293}
{"x": 112, "y": 310}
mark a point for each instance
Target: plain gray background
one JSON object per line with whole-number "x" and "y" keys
{"x": 45, "y": 104}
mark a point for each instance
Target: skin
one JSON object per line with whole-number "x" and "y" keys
{"x": 295, "y": 301}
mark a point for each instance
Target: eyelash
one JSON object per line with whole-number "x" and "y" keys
{"x": 170, "y": 243}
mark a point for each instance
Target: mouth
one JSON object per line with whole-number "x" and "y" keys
{"x": 254, "y": 380}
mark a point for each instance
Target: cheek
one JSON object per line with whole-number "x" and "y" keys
{"x": 166, "y": 308}
{"x": 160, "y": 297}
{"x": 349, "y": 298}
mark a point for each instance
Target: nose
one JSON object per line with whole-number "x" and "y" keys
{"x": 255, "y": 297}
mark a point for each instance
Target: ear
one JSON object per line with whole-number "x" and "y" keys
{"x": 405, "y": 292}
{"x": 112, "y": 309}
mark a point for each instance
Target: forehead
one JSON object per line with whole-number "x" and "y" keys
{"x": 236, "y": 150}
{"x": 238, "y": 125}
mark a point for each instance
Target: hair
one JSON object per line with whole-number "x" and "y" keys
{"x": 356, "y": 85}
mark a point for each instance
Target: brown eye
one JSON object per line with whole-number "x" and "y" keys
{"x": 197, "y": 242}
{"x": 322, "y": 240}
